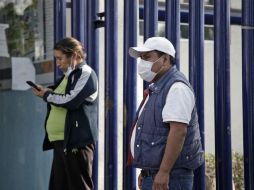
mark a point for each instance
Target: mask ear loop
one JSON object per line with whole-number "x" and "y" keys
{"x": 157, "y": 59}
{"x": 161, "y": 66}
{"x": 72, "y": 62}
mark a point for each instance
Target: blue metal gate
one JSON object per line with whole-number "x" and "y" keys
{"x": 84, "y": 27}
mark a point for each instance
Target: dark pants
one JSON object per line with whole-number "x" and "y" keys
{"x": 72, "y": 171}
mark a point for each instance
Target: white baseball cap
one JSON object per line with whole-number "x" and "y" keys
{"x": 154, "y": 43}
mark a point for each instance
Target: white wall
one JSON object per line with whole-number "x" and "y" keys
{"x": 236, "y": 91}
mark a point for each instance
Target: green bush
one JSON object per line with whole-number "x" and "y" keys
{"x": 237, "y": 167}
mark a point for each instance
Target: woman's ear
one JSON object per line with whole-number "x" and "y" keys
{"x": 74, "y": 55}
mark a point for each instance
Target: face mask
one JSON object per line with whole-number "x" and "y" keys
{"x": 144, "y": 70}
{"x": 69, "y": 69}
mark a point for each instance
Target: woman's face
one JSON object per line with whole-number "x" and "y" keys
{"x": 62, "y": 61}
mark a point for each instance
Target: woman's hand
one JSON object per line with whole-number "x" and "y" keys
{"x": 41, "y": 91}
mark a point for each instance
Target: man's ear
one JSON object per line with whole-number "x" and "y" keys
{"x": 166, "y": 59}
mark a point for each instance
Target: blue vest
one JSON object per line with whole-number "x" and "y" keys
{"x": 152, "y": 133}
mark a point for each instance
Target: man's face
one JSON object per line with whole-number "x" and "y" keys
{"x": 153, "y": 56}
{"x": 62, "y": 61}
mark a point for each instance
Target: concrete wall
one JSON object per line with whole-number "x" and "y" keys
{"x": 23, "y": 164}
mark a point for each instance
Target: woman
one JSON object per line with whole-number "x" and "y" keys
{"x": 71, "y": 121}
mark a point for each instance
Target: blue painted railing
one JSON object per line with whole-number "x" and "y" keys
{"x": 222, "y": 96}
{"x": 196, "y": 74}
{"x": 59, "y": 28}
{"x": 172, "y": 20}
{"x": 248, "y": 91}
{"x": 111, "y": 54}
{"x": 222, "y": 19}
{"x": 129, "y": 88}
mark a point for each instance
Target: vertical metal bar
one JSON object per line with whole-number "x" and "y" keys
{"x": 129, "y": 87}
{"x": 59, "y": 28}
{"x": 222, "y": 96}
{"x": 92, "y": 50}
{"x": 111, "y": 95}
{"x": 150, "y": 18}
{"x": 150, "y": 21}
{"x": 196, "y": 73}
{"x": 79, "y": 20}
{"x": 92, "y": 31}
{"x": 173, "y": 26}
{"x": 248, "y": 90}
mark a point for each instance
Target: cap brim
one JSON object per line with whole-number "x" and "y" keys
{"x": 135, "y": 51}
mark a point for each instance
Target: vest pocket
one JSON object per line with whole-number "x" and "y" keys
{"x": 152, "y": 150}
{"x": 191, "y": 157}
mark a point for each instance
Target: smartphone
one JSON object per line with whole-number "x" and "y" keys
{"x": 30, "y": 83}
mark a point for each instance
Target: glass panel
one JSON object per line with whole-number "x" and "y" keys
{"x": 184, "y": 29}
{"x": 26, "y": 33}
{"x": 207, "y": 2}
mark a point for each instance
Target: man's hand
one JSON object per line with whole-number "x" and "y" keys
{"x": 173, "y": 148}
{"x": 161, "y": 181}
{"x": 140, "y": 178}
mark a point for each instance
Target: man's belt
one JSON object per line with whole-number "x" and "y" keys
{"x": 176, "y": 171}
{"x": 147, "y": 173}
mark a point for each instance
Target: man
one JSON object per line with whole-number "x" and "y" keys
{"x": 165, "y": 141}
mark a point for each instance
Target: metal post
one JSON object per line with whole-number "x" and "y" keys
{"x": 150, "y": 18}
{"x": 92, "y": 49}
{"x": 150, "y": 21}
{"x": 92, "y": 31}
{"x": 222, "y": 96}
{"x": 248, "y": 90}
{"x": 173, "y": 26}
{"x": 111, "y": 95}
{"x": 196, "y": 73}
{"x": 59, "y": 28}
{"x": 79, "y": 20}
{"x": 129, "y": 87}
